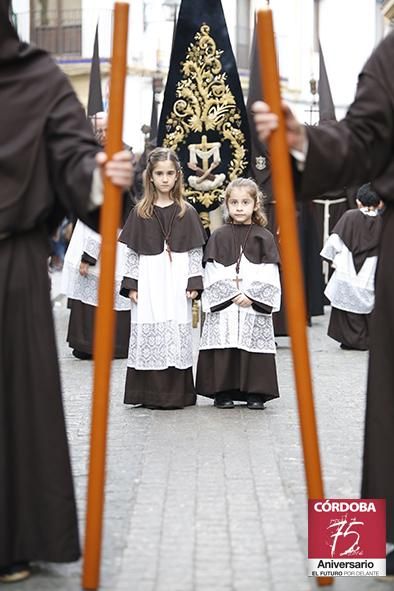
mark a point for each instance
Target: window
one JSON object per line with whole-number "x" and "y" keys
{"x": 55, "y": 25}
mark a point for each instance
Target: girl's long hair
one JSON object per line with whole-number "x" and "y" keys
{"x": 145, "y": 206}
{"x": 258, "y": 217}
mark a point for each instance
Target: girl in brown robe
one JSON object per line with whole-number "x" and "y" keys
{"x": 241, "y": 290}
{"x": 164, "y": 239}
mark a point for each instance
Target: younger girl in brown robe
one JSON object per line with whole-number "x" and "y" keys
{"x": 241, "y": 290}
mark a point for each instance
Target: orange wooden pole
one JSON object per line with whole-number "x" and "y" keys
{"x": 291, "y": 260}
{"x": 105, "y": 316}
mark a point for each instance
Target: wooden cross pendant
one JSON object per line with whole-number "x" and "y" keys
{"x": 237, "y": 280}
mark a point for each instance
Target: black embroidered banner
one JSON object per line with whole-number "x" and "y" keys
{"x": 203, "y": 116}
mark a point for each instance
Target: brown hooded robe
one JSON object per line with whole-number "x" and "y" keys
{"x": 47, "y": 153}
{"x": 358, "y": 149}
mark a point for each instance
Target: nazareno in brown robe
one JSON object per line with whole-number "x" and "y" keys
{"x": 172, "y": 387}
{"x": 47, "y": 156}
{"x": 356, "y": 150}
{"x": 234, "y": 371}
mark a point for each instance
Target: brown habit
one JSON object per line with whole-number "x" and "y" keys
{"x": 354, "y": 151}
{"x": 169, "y": 387}
{"x": 46, "y": 161}
{"x": 234, "y": 370}
{"x": 360, "y": 233}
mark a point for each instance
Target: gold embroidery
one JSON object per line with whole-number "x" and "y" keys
{"x": 206, "y": 104}
{"x": 205, "y": 219}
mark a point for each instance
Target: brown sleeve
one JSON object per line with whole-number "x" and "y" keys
{"x": 358, "y": 149}
{"x": 128, "y": 285}
{"x": 86, "y": 258}
{"x": 71, "y": 149}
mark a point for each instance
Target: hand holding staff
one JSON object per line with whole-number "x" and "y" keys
{"x": 114, "y": 172}
{"x": 290, "y": 257}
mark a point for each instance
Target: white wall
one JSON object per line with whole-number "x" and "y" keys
{"x": 22, "y": 9}
{"x": 93, "y": 11}
{"x": 230, "y": 14}
{"x": 347, "y": 33}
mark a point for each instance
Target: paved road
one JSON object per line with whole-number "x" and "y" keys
{"x": 203, "y": 499}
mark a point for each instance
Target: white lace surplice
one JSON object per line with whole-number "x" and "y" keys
{"x": 348, "y": 290}
{"x": 236, "y": 327}
{"x": 161, "y": 322}
{"x": 85, "y": 289}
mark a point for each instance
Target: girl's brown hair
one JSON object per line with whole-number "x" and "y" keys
{"x": 145, "y": 206}
{"x": 258, "y": 217}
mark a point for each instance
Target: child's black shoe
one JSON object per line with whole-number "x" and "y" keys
{"x": 255, "y": 402}
{"x": 223, "y": 400}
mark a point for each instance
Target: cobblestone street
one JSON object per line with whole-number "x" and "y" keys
{"x": 204, "y": 499}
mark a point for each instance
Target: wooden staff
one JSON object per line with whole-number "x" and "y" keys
{"x": 105, "y": 316}
{"x": 290, "y": 258}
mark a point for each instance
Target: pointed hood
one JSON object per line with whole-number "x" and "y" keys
{"x": 326, "y": 104}
{"x": 203, "y": 117}
{"x": 259, "y": 168}
{"x": 95, "y": 99}
{"x": 327, "y": 115}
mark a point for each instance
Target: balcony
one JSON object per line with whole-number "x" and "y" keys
{"x": 59, "y": 32}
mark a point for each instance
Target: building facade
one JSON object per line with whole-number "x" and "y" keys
{"x": 66, "y": 28}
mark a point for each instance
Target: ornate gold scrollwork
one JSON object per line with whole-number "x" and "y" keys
{"x": 205, "y": 103}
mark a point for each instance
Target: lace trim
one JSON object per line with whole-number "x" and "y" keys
{"x": 211, "y": 333}
{"x": 131, "y": 264}
{"x": 254, "y": 332}
{"x": 220, "y": 291}
{"x": 195, "y": 262}
{"x": 92, "y": 248}
{"x": 85, "y": 290}
{"x": 160, "y": 345}
{"x": 329, "y": 252}
{"x": 265, "y": 293}
{"x": 350, "y": 298}
{"x": 257, "y": 333}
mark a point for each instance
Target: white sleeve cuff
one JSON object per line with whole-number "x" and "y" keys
{"x": 300, "y": 155}
{"x": 96, "y": 197}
